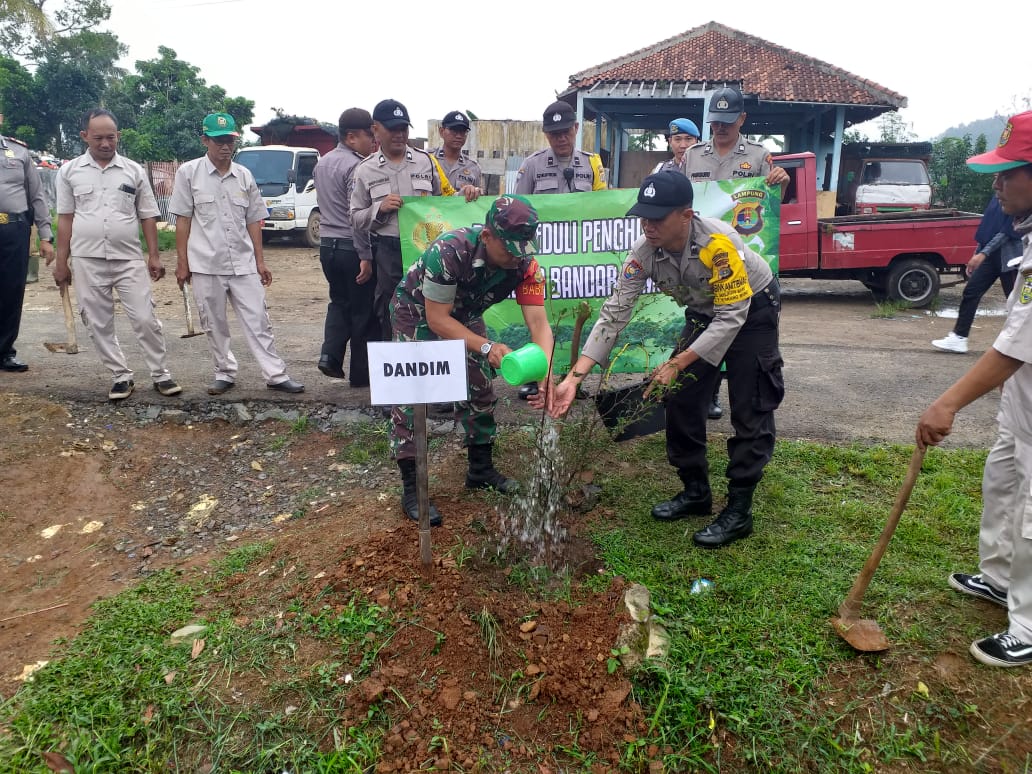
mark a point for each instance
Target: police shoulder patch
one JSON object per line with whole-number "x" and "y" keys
{"x": 632, "y": 268}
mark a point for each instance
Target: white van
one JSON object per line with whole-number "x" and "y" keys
{"x": 284, "y": 176}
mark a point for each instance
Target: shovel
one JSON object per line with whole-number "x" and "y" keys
{"x": 190, "y": 332}
{"x": 864, "y": 634}
{"x": 71, "y": 346}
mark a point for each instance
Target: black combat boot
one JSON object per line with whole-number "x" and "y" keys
{"x": 482, "y": 473}
{"x": 409, "y": 495}
{"x": 695, "y": 500}
{"x": 715, "y": 411}
{"x": 733, "y": 523}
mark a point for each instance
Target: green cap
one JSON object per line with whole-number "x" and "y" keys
{"x": 219, "y": 125}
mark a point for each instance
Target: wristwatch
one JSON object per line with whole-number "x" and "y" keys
{"x": 485, "y": 348}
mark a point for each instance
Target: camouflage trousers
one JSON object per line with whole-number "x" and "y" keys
{"x": 476, "y": 413}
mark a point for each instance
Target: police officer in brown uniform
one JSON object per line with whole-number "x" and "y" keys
{"x": 560, "y": 168}
{"x": 458, "y": 167}
{"x": 21, "y": 204}
{"x": 732, "y": 305}
{"x": 380, "y": 181}
{"x": 725, "y": 156}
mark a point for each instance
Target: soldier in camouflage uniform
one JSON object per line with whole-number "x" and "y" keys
{"x": 444, "y": 296}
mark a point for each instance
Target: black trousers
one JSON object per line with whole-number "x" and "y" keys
{"x": 978, "y": 284}
{"x": 755, "y": 386}
{"x": 349, "y": 315}
{"x": 387, "y": 255}
{"x": 14, "y": 265}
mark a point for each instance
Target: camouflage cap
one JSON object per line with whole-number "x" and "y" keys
{"x": 514, "y": 220}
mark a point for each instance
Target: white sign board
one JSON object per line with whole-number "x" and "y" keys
{"x": 403, "y": 373}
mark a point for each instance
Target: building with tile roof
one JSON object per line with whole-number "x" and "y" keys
{"x": 808, "y": 102}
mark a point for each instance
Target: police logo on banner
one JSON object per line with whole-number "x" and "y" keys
{"x": 747, "y": 216}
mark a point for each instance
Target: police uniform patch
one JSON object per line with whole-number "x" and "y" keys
{"x": 9, "y": 153}
{"x": 633, "y": 268}
{"x": 1026, "y": 291}
{"x": 722, "y": 264}
{"x": 745, "y": 165}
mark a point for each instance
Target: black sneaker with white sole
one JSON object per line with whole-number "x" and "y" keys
{"x": 121, "y": 390}
{"x": 1002, "y": 650}
{"x": 977, "y": 586}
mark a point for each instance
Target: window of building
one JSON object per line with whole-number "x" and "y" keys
{"x": 480, "y": 154}
{"x": 496, "y": 154}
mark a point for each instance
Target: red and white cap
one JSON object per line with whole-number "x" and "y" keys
{"x": 1013, "y": 150}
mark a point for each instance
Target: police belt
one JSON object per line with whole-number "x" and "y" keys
{"x": 13, "y": 217}
{"x": 389, "y": 242}
{"x": 337, "y": 243}
{"x": 761, "y": 299}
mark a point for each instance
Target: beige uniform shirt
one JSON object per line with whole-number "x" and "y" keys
{"x": 715, "y": 277}
{"x": 1015, "y": 340}
{"x": 465, "y": 171}
{"x": 747, "y": 159}
{"x": 108, "y": 204}
{"x": 20, "y": 186}
{"x": 377, "y": 176}
{"x": 542, "y": 173}
{"x": 221, "y": 208}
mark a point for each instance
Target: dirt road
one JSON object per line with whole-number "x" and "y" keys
{"x": 851, "y": 376}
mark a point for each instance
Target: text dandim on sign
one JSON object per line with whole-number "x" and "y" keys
{"x": 407, "y": 372}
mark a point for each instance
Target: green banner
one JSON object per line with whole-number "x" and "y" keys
{"x": 583, "y": 239}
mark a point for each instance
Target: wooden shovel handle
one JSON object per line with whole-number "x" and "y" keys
{"x": 189, "y": 312}
{"x": 66, "y": 303}
{"x": 850, "y": 608}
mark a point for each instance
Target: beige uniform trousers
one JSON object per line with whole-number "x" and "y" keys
{"x": 95, "y": 282}
{"x": 1005, "y": 536}
{"x": 247, "y": 296}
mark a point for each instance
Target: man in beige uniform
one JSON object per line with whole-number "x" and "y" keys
{"x": 219, "y": 211}
{"x": 379, "y": 182}
{"x": 458, "y": 167}
{"x": 103, "y": 199}
{"x": 725, "y": 156}
{"x": 560, "y": 168}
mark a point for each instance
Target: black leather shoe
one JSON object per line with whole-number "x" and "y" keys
{"x": 11, "y": 363}
{"x": 695, "y": 500}
{"x": 220, "y": 386}
{"x": 714, "y": 411}
{"x": 530, "y": 388}
{"x": 331, "y": 369}
{"x": 288, "y": 386}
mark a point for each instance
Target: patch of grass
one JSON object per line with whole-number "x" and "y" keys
{"x": 300, "y": 426}
{"x": 489, "y": 632}
{"x": 753, "y": 654}
{"x": 239, "y": 559}
{"x": 889, "y": 309}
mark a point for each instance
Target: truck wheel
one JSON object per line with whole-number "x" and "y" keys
{"x": 912, "y": 280}
{"x": 312, "y": 232}
{"x": 266, "y": 236}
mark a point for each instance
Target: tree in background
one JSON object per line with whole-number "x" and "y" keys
{"x": 894, "y": 129}
{"x": 72, "y": 77}
{"x": 954, "y": 184}
{"x": 72, "y": 63}
{"x": 18, "y": 101}
{"x": 160, "y": 108}
{"x": 26, "y": 25}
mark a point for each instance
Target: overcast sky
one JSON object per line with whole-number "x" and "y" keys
{"x": 508, "y": 60}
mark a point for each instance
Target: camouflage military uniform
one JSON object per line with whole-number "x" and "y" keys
{"x": 455, "y": 268}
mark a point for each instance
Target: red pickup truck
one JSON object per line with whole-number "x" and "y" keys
{"x": 897, "y": 255}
